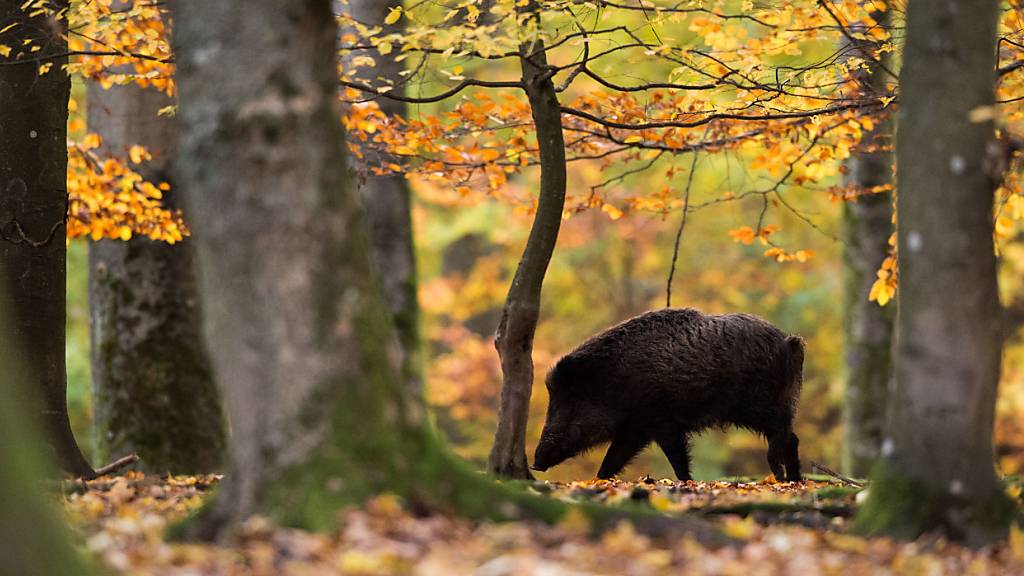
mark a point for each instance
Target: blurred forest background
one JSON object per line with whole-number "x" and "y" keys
{"x": 611, "y": 264}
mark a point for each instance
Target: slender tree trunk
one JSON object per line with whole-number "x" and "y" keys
{"x": 33, "y": 209}
{"x": 937, "y": 470}
{"x": 514, "y": 337}
{"x": 387, "y": 201}
{"x": 153, "y": 389}
{"x": 301, "y": 340}
{"x": 868, "y": 326}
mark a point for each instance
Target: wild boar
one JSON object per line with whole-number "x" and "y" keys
{"x": 666, "y": 375}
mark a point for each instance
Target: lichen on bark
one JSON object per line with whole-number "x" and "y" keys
{"x": 154, "y": 393}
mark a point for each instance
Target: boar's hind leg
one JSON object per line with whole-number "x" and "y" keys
{"x": 793, "y": 459}
{"x": 677, "y": 448}
{"x": 626, "y": 444}
{"x": 783, "y": 456}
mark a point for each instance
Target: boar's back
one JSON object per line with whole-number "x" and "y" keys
{"x": 683, "y": 360}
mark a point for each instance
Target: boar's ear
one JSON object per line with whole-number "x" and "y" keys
{"x": 562, "y": 373}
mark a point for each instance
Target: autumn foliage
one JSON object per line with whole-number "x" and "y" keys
{"x": 739, "y": 113}
{"x": 710, "y": 88}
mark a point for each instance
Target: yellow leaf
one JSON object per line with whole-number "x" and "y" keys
{"x": 575, "y": 522}
{"x": 981, "y": 114}
{"x": 875, "y": 289}
{"x": 660, "y": 502}
{"x": 613, "y": 212}
{"x": 489, "y": 154}
{"x": 138, "y": 154}
{"x": 393, "y": 15}
{"x": 1016, "y": 542}
{"x": 633, "y": 139}
{"x": 91, "y": 140}
{"x": 881, "y": 292}
{"x": 804, "y": 255}
{"x": 384, "y": 47}
{"x": 744, "y": 234}
{"x": 740, "y": 529}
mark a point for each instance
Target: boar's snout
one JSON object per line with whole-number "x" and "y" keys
{"x": 551, "y": 448}
{"x": 543, "y": 457}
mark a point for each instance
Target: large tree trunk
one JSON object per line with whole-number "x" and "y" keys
{"x": 937, "y": 470}
{"x": 34, "y": 541}
{"x": 514, "y": 337}
{"x": 33, "y": 209}
{"x": 387, "y": 201}
{"x": 153, "y": 389}
{"x": 868, "y": 326}
{"x": 301, "y": 341}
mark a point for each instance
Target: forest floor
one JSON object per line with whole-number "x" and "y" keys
{"x": 779, "y": 528}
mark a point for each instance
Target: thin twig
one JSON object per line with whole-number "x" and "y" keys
{"x": 682, "y": 225}
{"x": 830, "y": 472}
{"x": 117, "y": 465}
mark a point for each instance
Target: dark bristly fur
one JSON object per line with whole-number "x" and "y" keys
{"x": 667, "y": 375}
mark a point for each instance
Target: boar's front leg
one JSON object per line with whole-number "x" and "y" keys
{"x": 626, "y": 444}
{"x": 677, "y": 447}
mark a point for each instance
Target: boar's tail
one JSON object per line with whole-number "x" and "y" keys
{"x": 793, "y": 369}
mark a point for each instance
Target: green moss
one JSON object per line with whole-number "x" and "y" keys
{"x": 154, "y": 397}
{"x": 906, "y": 508}
{"x": 836, "y": 492}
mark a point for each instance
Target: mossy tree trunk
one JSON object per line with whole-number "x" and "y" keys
{"x": 387, "y": 201}
{"x": 301, "y": 340}
{"x": 868, "y": 326}
{"x": 937, "y": 471}
{"x": 514, "y": 337}
{"x": 33, "y": 540}
{"x": 33, "y": 208}
{"x": 154, "y": 393}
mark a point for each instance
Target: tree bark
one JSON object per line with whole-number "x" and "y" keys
{"x": 937, "y": 471}
{"x": 34, "y": 540}
{"x": 387, "y": 201}
{"x": 33, "y": 210}
{"x": 154, "y": 393}
{"x": 868, "y": 327}
{"x": 514, "y": 337}
{"x": 302, "y": 342}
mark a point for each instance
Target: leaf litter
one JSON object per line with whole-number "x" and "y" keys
{"x": 780, "y": 528}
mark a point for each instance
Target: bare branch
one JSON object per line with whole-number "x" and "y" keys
{"x": 469, "y": 82}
